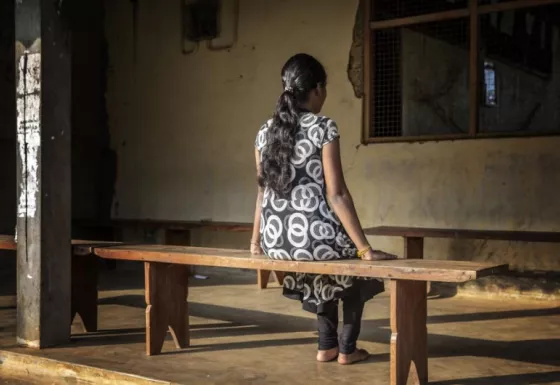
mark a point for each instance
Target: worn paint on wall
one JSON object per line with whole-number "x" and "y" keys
{"x": 184, "y": 128}
{"x": 28, "y": 102}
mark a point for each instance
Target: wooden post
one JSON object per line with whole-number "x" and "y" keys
{"x": 43, "y": 173}
{"x": 409, "y": 335}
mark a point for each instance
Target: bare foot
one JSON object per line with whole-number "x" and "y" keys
{"x": 327, "y": 355}
{"x": 357, "y": 356}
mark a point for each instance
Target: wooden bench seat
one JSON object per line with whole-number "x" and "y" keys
{"x": 166, "y": 281}
{"x": 423, "y": 270}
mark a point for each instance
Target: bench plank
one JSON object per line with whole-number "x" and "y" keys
{"x": 413, "y": 269}
{"x": 421, "y": 232}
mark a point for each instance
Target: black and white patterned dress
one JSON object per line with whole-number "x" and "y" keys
{"x": 303, "y": 227}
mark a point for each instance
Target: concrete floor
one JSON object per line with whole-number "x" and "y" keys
{"x": 244, "y": 336}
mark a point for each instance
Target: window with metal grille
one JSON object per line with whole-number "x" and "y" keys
{"x": 452, "y": 69}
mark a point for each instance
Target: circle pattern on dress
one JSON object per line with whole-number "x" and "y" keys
{"x": 303, "y": 227}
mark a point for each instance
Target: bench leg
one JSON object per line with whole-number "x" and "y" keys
{"x": 409, "y": 338}
{"x": 262, "y": 278}
{"x": 280, "y": 277}
{"x": 264, "y": 275}
{"x": 85, "y": 270}
{"x": 167, "y": 309}
{"x": 414, "y": 249}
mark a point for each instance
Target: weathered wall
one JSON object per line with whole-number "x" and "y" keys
{"x": 184, "y": 125}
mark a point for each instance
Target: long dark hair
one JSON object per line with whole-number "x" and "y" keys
{"x": 301, "y": 74}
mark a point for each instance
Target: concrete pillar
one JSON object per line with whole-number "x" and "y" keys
{"x": 43, "y": 84}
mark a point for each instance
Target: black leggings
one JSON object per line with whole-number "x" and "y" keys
{"x": 352, "y": 310}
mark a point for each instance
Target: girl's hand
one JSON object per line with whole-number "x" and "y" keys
{"x": 378, "y": 255}
{"x": 256, "y": 249}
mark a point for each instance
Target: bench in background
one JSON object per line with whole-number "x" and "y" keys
{"x": 414, "y": 236}
{"x": 178, "y": 233}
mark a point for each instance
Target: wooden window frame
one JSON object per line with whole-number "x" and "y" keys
{"x": 473, "y": 11}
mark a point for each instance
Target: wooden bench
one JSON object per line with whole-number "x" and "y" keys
{"x": 414, "y": 236}
{"x": 166, "y": 284}
{"x": 166, "y": 280}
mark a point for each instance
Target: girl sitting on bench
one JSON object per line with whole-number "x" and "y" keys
{"x": 305, "y": 212}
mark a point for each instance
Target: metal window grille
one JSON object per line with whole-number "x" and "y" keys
{"x": 388, "y": 63}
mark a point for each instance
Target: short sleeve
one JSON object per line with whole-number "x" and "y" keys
{"x": 331, "y": 132}
{"x": 260, "y": 141}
